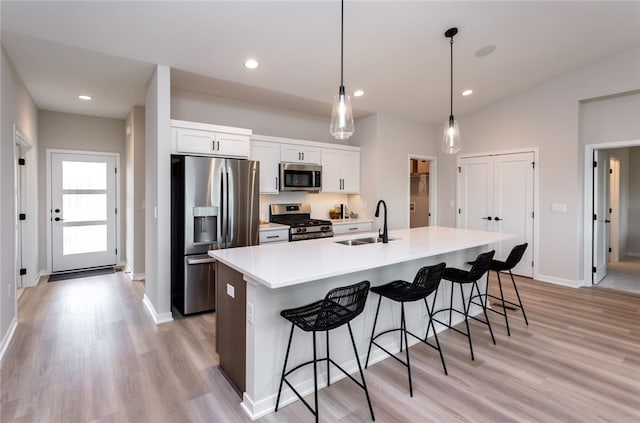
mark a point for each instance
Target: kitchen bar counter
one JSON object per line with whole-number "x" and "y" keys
{"x": 281, "y": 265}
{"x": 255, "y": 283}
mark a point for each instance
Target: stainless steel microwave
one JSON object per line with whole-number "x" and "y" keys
{"x": 300, "y": 177}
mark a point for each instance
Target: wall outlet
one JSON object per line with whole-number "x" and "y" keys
{"x": 250, "y": 312}
{"x": 231, "y": 291}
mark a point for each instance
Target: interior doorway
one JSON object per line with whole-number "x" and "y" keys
{"x": 421, "y": 192}
{"x": 21, "y": 147}
{"x": 612, "y": 242}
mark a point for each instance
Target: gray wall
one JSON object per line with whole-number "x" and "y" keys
{"x": 77, "y": 132}
{"x": 547, "y": 117}
{"x": 633, "y": 238}
{"x": 135, "y": 168}
{"x": 17, "y": 108}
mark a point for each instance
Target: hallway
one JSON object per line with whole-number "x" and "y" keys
{"x": 623, "y": 275}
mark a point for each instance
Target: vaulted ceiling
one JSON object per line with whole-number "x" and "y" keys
{"x": 395, "y": 51}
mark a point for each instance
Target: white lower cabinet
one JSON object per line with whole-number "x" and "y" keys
{"x": 274, "y": 235}
{"x": 341, "y": 228}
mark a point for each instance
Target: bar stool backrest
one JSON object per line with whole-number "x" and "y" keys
{"x": 427, "y": 280}
{"x": 481, "y": 265}
{"x": 515, "y": 256}
{"x": 341, "y": 305}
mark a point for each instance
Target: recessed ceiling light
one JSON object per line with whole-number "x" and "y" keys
{"x": 84, "y": 97}
{"x": 358, "y": 93}
{"x": 251, "y": 64}
{"x": 467, "y": 92}
{"x": 485, "y": 51}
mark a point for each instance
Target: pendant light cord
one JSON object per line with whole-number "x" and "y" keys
{"x": 342, "y": 43}
{"x": 451, "y": 43}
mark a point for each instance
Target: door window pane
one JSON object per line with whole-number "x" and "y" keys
{"x": 84, "y": 239}
{"x": 84, "y": 207}
{"x": 84, "y": 175}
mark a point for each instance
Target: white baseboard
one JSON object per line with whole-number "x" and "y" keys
{"x": 157, "y": 318}
{"x": 131, "y": 275}
{"x": 8, "y": 337}
{"x": 560, "y": 281}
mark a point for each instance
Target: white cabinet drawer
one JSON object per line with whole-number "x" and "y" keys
{"x": 280, "y": 235}
{"x": 349, "y": 228}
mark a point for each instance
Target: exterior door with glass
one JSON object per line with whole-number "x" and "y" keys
{"x": 83, "y": 211}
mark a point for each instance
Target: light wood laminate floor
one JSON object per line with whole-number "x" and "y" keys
{"x": 86, "y": 351}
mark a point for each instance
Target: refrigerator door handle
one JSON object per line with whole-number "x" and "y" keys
{"x": 223, "y": 207}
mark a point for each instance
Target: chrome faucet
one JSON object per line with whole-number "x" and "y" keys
{"x": 384, "y": 236}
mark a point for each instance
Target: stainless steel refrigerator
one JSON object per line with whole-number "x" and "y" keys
{"x": 214, "y": 205}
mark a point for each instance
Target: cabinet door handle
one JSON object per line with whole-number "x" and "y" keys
{"x": 218, "y": 145}
{"x": 353, "y": 229}
{"x": 277, "y": 187}
{"x": 303, "y": 155}
{"x": 496, "y": 218}
{"x": 487, "y": 218}
{"x": 273, "y": 236}
{"x": 213, "y": 145}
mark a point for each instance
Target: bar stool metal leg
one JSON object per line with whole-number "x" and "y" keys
{"x": 483, "y": 304}
{"x": 373, "y": 331}
{"x": 403, "y": 331}
{"x": 315, "y": 377}
{"x": 519, "y": 300}
{"x": 466, "y": 318}
{"x": 284, "y": 368}
{"x": 328, "y": 361}
{"x": 504, "y": 307}
{"x": 435, "y": 335}
{"x": 364, "y": 383}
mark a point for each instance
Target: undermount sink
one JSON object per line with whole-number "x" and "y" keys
{"x": 362, "y": 241}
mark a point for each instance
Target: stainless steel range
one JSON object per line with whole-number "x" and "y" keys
{"x": 298, "y": 217}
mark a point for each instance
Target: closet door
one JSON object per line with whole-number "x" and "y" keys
{"x": 495, "y": 193}
{"x": 513, "y": 205}
{"x": 475, "y": 193}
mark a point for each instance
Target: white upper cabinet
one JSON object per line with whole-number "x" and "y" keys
{"x": 340, "y": 171}
{"x": 292, "y": 153}
{"x": 268, "y": 154}
{"x": 211, "y": 140}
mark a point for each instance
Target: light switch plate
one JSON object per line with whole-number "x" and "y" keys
{"x": 558, "y": 208}
{"x": 231, "y": 291}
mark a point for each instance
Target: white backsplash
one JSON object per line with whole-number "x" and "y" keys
{"x": 320, "y": 203}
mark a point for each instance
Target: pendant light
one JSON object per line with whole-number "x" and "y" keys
{"x": 451, "y": 137}
{"x": 341, "y": 115}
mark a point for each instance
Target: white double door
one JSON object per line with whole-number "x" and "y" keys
{"x": 496, "y": 194}
{"x": 83, "y": 211}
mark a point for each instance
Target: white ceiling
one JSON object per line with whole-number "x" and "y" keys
{"x": 395, "y": 51}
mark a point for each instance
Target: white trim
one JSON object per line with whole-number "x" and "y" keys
{"x": 536, "y": 195}
{"x": 157, "y": 318}
{"x": 433, "y": 188}
{"x": 587, "y": 253}
{"x": 8, "y": 337}
{"x": 48, "y": 153}
{"x": 560, "y": 281}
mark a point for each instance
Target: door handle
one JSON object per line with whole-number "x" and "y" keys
{"x": 497, "y": 218}
{"x": 607, "y": 221}
{"x": 57, "y": 219}
{"x": 57, "y": 210}
{"x": 487, "y": 218}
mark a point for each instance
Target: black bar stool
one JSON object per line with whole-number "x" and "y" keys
{"x": 339, "y": 307}
{"x": 503, "y": 266}
{"x": 462, "y": 277}
{"x": 424, "y": 284}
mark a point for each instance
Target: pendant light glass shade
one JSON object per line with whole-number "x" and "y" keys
{"x": 451, "y": 137}
{"x": 341, "y": 126}
{"x": 341, "y": 116}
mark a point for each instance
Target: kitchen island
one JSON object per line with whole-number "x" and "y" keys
{"x": 255, "y": 283}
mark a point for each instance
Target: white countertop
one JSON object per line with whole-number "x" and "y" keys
{"x": 283, "y": 264}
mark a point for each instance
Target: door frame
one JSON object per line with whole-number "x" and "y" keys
{"x": 49, "y": 152}
{"x": 536, "y": 192}
{"x": 433, "y": 187}
{"x": 614, "y": 203}
{"x": 21, "y": 145}
{"x": 587, "y": 229}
